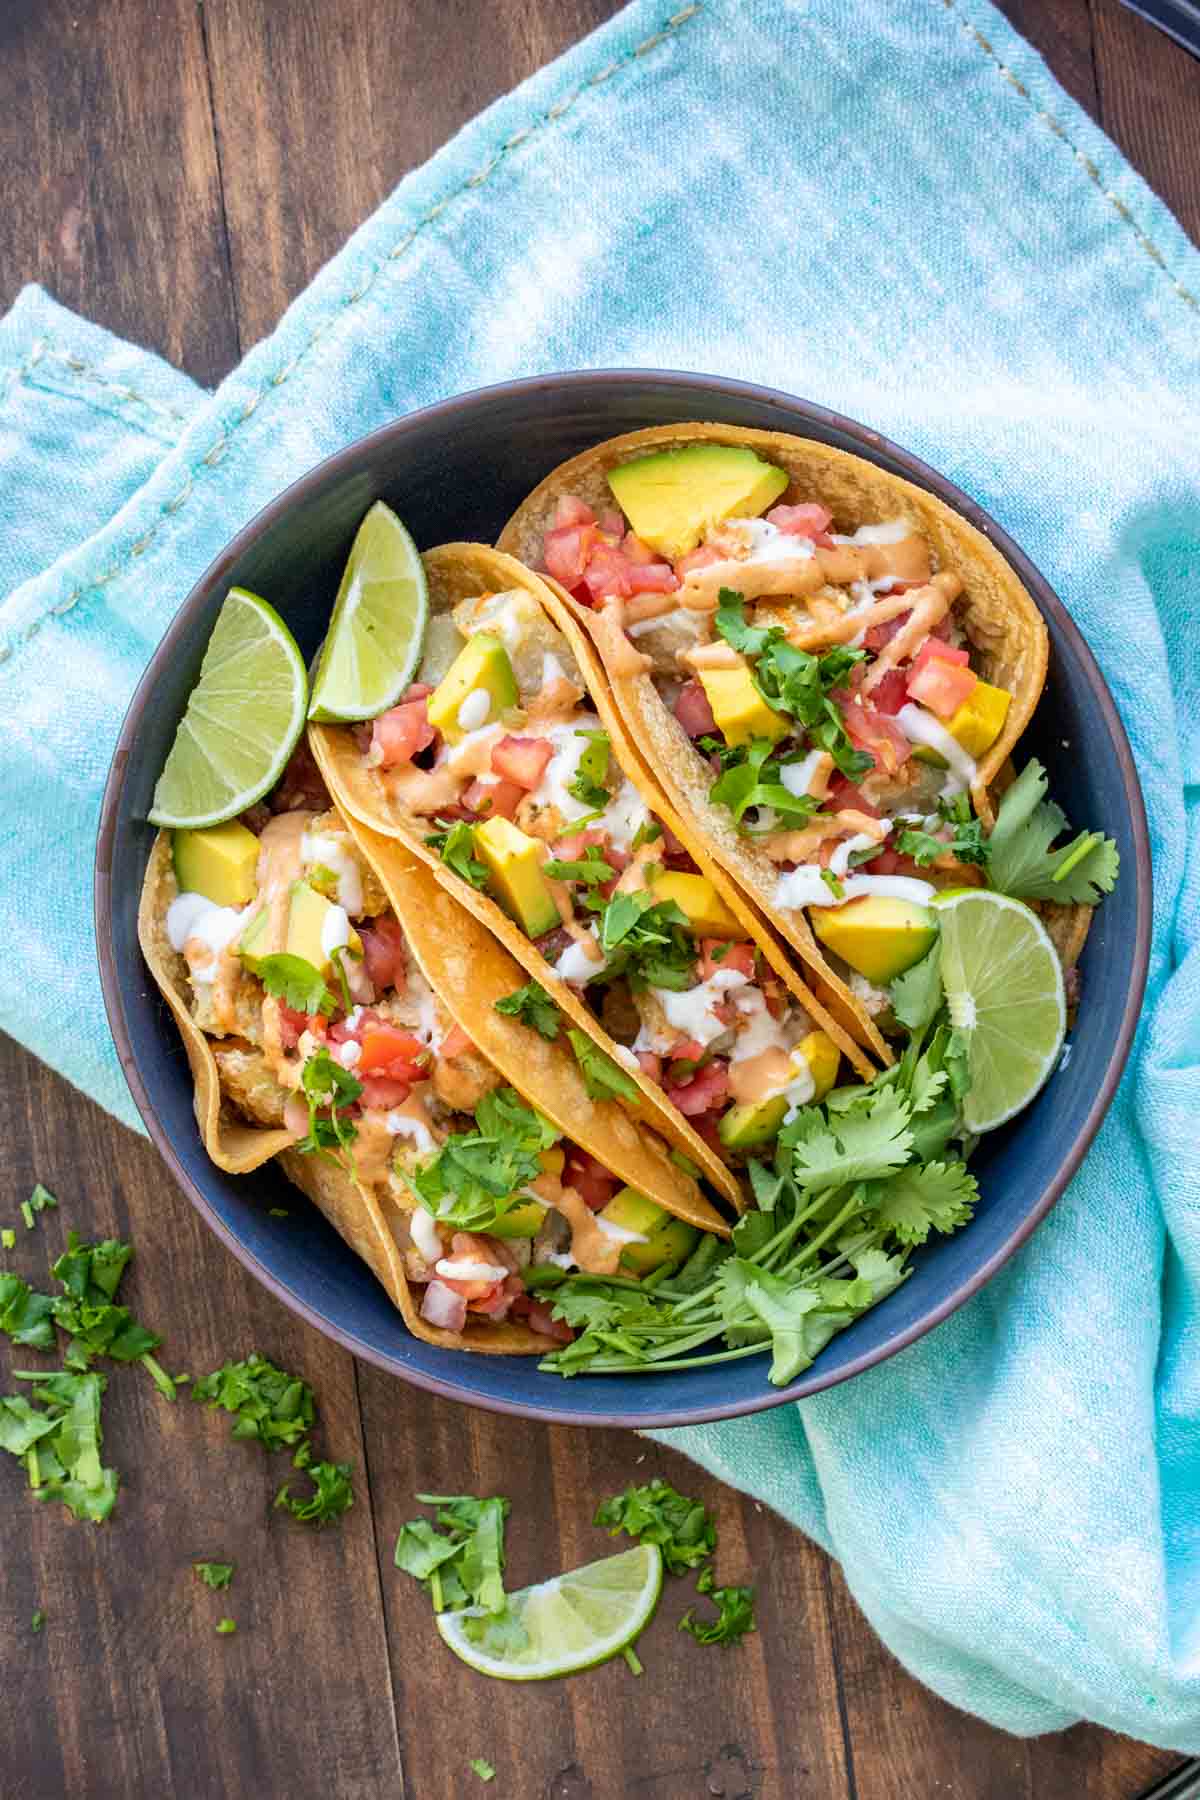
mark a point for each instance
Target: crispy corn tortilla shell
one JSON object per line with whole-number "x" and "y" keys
{"x": 470, "y": 970}
{"x": 999, "y": 617}
{"x": 460, "y": 571}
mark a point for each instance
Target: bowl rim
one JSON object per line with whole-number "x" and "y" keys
{"x": 866, "y": 441}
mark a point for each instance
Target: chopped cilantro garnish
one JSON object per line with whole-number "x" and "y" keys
{"x": 455, "y": 844}
{"x": 533, "y": 1006}
{"x": 603, "y": 1078}
{"x": 735, "y": 1613}
{"x": 648, "y": 832}
{"x": 41, "y": 1198}
{"x": 214, "y": 1575}
{"x": 58, "y": 1439}
{"x": 278, "y": 1212}
{"x": 268, "y": 1405}
{"x": 646, "y": 942}
{"x": 332, "y": 1495}
{"x": 26, "y": 1316}
{"x": 27, "y": 1214}
{"x": 37, "y": 1621}
{"x": 634, "y": 1662}
{"x": 479, "y": 1765}
{"x": 751, "y": 779}
{"x": 328, "y": 1087}
{"x": 477, "y": 1176}
{"x": 91, "y": 1274}
{"x": 832, "y": 883}
{"x": 655, "y": 1513}
{"x": 1022, "y": 863}
{"x": 587, "y": 785}
{"x": 8, "y": 1238}
{"x": 463, "y": 1564}
{"x": 226, "y": 1628}
{"x": 591, "y": 868}
{"x": 294, "y": 981}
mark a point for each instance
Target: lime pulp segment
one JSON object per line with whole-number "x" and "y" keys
{"x": 571, "y": 1622}
{"x": 242, "y": 721}
{"x": 378, "y": 626}
{"x": 1004, "y": 990}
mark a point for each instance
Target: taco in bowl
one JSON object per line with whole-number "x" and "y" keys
{"x": 339, "y": 1013}
{"x": 824, "y": 666}
{"x": 507, "y": 769}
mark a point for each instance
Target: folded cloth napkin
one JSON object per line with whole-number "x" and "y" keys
{"x": 893, "y": 210}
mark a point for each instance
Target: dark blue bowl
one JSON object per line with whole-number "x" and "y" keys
{"x": 457, "y": 471}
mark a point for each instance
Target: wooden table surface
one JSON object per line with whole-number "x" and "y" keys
{"x": 179, "y": 169}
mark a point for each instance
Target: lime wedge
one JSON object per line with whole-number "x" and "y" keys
{"x": 558, "y": 1627}
{"x": 1004, "y": 989}
{"x": 378, "y": 624}
{"x": 242, "y": 720}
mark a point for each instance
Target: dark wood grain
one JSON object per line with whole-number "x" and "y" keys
{"x": 180, "y": 172}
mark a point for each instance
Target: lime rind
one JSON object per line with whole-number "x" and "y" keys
{"x": 375, "y": 636}
{"x": 242, "y": 721}
{"x": 562, "y": 1626}
{"x": 1004, "y": 987}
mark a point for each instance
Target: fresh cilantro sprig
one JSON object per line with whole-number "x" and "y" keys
{"x": 646, "y": 943}
{"x": 463, "y": 1563}
{"x": 1022, "y": 863}
{"x": 479, "y": 1175}
{"x": 533, "y": 1006}
{"x": 455, "y": 844}
{"x": 588, "y": 784}
{"x": 295, "y": 981}
{"x": 602, "y": 1077}
{"x": 752, "y": 778}
{"x": 735, "y": 1613}
{"x": 657, "y": 1513}
{"x": 328, "y": 1089}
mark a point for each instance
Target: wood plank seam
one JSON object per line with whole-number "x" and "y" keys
{"x": 1142, "y": 238}
{"x": 216, "y": 450}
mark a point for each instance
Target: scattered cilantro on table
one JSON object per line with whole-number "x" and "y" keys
{"x": 40, "y": 1200}
{"x": 269, "y": 1405}
{"x": 214, "y": 1575}
{"x": 479, "y": 1765}
{"x": 226, "y": 1628}
{"x": 655, "y": 1513}
{"x": 735, "y": 1613}
{"x": 463, "y": 1564}
{"x": 37, "y": 1621}
{"x": 57, "y": 1436}
{"x": 533, "y": 1006}
{"x": 8, "y": 1238}
{"x": 332, "y": 1494}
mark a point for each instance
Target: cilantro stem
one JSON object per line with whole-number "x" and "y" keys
{"x": 159, "y": 1376}
{"x": 1074, "y": 854}
{"x": 632, "y": 1658}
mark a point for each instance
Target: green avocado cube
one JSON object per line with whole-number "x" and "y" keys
{"x": 673, "y": 497}
{"x": 514, "y": 864}
{"x": 668, "y": 1239}
{"x": 219, "y": 862}
{"x": 477, "y": 688}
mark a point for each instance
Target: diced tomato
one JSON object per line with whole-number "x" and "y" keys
{"x": 612, "y": 524}
{"x": 292, "y": 1023}
{"x": 455, "y": 1043}
{"x": 650, "y": 1065}
{"x": 566, "y": 552}
{"x": 652, "y": 578}
{"x": 493, "y": 799}
{"x": 573, "y": 847}
{"x": 381, "y": 1092}
{"x": 389, "y": 1051}
{"x": 572, "y": 511}
{"x": 703, "y": 557}
{"x": 936, "y": 649}
{"x": 843, "y": 794}
{"x": 890, "y": 694}
{"x": 636, "y": 550}
{"x": 472, "y": 1290}
{"x": 607, "y": 572}
{"x": 890, "y": 862}
{"x": 383, "y": 952}
{"x": 706, "y": 1089}
{"x": 539, "y": 1316}
{"x": 879, "y": 635}
{"x": 719, "y": 953}
{"x": 589, "y": 1177}
{"x": 496, "y": 1303}
{"x": 876, "y": 733}
{"x": 522, "y": 759}
{"x": 693, "y": 711}
{"x": 687, "y": 1050}
{"x": 402, "y": 732}
{"x": 806, "y": 520}
{"x": 942, "y": 686}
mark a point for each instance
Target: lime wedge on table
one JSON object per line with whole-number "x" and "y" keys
{"x": 1004, "y": 987}
{"x": 558, "y": 1627}
{"x": 378, "y": 624}
{"x": 242, "y": 720}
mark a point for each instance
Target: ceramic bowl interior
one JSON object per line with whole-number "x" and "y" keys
{"x": 457, "y": 470}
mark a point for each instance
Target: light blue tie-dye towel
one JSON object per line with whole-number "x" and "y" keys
{"x": 894, "y": 210}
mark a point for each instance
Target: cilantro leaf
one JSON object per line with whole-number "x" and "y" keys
{"x": 735, "y": 1614}
{"x": 869, "y": 1140}
{"x": 479, "y": 1765}
{"x": 591, "y": 868}
{"x": 214, "y": 1575}
{"x": 646, "y": 942}
{"x": 26, "y": 1316}
{"x": 226, "y": 1627}
{"x": 938, "y": 1197}
{"x": 534, "y": 1007}
{"x": 603, "y": 1078}
{"x": 478, "y": 1175}
{"x": 270, "y": 1406}
{"x": 37, "y": 1621}
{"x": 797, "y": 681}
{"x": 294, "y": 981}
{"x": 1022, "y": 863}
{"x": 730, "y": 621}
{"x": 656, "y": 1513}
{"x": 455, "y": 844}
{"x": 332, "y": 1495}
{"x": 917, "y": 993}
{"x": 587, "y": 785}
{"x": 465, "y": 1566}
{"x": 59, "y": 1439}
{"x": 41, "y": 1198}
{"x": 751, "y": 778}
{"x": 91, "y": 1275}
{"x": 328, "y": 1087}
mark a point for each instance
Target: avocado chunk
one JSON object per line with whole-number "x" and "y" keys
{"x": 514, "y": 864}
{"x": 672, "y": 497}
{"x": 310, "y": 927}
{"x": 876, "y": 934}
{"x": 752, "y": 1123}
{"x": 668, "y": 1239}
{"x": 739, "y": 709}
{"x": 523, "y": 1221}
{"x": 482, "y": 669}
{"x": 219, "y": 863}
{"x": 706, "y": 913}
{"x": 976, "y": 724}
{"x": 253, "y": 941}
{"x": 823, "y": 1058}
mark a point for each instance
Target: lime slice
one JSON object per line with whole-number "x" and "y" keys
{"x": 378, "y": 624}
{"x": 242, "y": 720}
{"x": 1004, "y": 988}
{"x": 558, "y": 1627}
